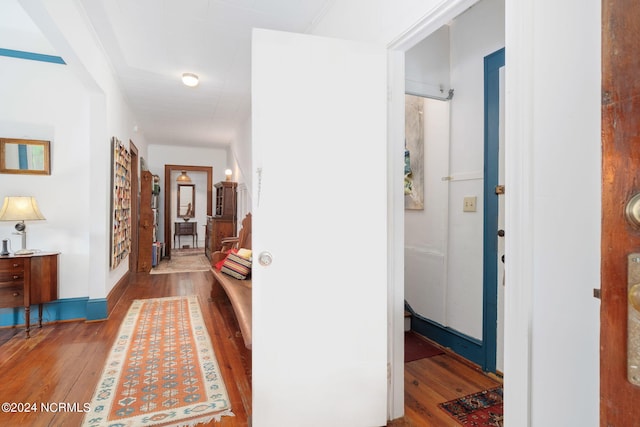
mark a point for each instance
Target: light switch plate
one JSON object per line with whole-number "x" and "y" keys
{"x": 470, "y": 204}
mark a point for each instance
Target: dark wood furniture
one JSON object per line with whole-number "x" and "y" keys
{"x": 226, "y": 199}
{"x": 146, "y": 230}
{"x": 217, "y": 229}
{"x": 242, "y": 240}
{"x": 27, "y": 280}
{"x": 223, "y": 223}
{"x": 238, "y": 291}
{"x": 185, "y": 229}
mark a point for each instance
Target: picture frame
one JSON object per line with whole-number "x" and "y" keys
{"x": 25, "y": 156}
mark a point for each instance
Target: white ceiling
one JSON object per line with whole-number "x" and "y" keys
{"x": 152, "y": 42}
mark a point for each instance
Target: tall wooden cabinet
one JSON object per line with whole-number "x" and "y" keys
{"x": 147, "y": 234}
{"x": 224, "y": 222}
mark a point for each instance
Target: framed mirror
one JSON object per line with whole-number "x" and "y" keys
{"x": 186, "y": 200}
{"x": 24, "y": 156}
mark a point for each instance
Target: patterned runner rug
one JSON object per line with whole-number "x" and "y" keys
{"x": 161, "y": 371}
{"x": 182, "y": 264}
{"x": 483, "y": 409}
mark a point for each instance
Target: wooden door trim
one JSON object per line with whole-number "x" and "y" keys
{"x": 135, "y": 220}
{"x": 620, "y": 161}
{"x": 167, "y": 198}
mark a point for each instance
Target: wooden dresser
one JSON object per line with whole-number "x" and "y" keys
{"x": 27, "y": 280}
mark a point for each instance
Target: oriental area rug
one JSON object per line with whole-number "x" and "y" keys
{"x": 161, "y": 370}
{"x": 482, "y": 409}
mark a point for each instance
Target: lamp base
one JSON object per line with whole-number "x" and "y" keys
{"x": 24, "y": 252}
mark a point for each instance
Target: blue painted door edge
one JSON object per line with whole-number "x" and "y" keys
{"x": 492, "y": 65}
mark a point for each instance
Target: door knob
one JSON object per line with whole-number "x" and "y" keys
{"x": 632, "y": 211}
{"x": 265, "y": 258}
{"x": 501, "y": 233}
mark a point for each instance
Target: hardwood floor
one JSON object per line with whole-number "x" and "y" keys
{"x": 434, "y": 380}
{"x": 61, "y": 363}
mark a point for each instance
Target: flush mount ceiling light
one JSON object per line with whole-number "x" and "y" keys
{"x": 190, "y": 79}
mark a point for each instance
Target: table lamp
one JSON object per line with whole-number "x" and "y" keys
{"x": 21, "y": 209}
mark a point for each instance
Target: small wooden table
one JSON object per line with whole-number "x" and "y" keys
{"x": 28, "y": 279}
{"x": 185, "y": 229}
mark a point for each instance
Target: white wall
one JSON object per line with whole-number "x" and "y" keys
{"x": 444, "y": 257}
{"x": 239, "y": 160}
{"x": 475, "y": 34}
{"x": 428, "y": 66}
{"x": 385, "y": 21}
{"x": 426, "y": 231}
{"x": 79, "y": 107}
{"x": 160, "y": 155}
{"x": 48, "y": 102}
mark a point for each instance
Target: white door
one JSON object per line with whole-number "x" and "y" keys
{"x": 319, "y": 122}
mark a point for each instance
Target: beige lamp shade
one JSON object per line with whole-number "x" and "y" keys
{"x": 19, "y": 208}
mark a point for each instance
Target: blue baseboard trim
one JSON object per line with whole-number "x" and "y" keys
{"x": 59, "y": 310}
{"x": 20, "y": 54}
{"x": 465, "y": 346}
{"x": 97, "y": 309}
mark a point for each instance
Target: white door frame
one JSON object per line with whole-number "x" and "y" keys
{"x": 517, "y": 335}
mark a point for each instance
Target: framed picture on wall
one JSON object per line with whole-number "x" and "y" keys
{"x": 414, "y": 153}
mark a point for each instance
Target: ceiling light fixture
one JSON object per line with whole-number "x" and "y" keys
{"x": 183, "y": 177}
{"x": 190, "y": 79}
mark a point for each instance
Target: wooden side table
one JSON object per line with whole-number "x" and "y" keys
{"x": 28, "y": 279}
{"x": 185, "y": 229}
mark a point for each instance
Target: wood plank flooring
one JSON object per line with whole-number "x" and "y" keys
{"x": 434, "y": 380}
{"x": 62, "y": 362}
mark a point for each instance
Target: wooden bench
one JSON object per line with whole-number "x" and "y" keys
{"x": 238, "y": 291}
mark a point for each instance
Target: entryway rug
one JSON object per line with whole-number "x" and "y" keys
{"x": 161, "y": 371}
{"x": 186, "y": 251}
{"x": 182, "y": 264}
{"x": 482, "y": 409}
{"x": 416, "y": 348}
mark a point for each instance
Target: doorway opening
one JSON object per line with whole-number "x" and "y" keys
{"x": 452, "y": 276}
{"x": 170, "y": 207}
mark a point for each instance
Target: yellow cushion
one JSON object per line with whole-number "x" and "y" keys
{"x": 244, "y": 253}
